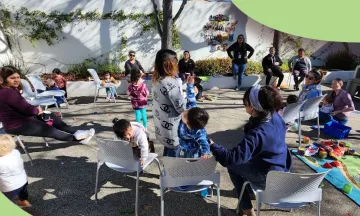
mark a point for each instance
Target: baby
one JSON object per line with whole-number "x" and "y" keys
{"x": 135, "y": 134}
{"x": 327, "y": 104}
{"x": 13, "y": 178}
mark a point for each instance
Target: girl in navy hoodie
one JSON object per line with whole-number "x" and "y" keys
{"x": 262, "y": 149}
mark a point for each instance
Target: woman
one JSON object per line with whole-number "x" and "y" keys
{"x": 132, "y": 63}
{"x": 262, "y": 149}
{"x": 312, "y": 87}
{"x": 343, "y": 104}
{"x": 20, "y": 118}
{"x": 299, "y": 65}
{"x": 168, "y": 100}
{"x": 186, "y": 66}
{"x": 240, "y": 58}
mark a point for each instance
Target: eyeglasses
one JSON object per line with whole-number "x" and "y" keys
{"x": 132, "y": 55}
{"x": 309, "y": 77}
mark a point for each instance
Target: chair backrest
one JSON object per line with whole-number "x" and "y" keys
{"x": 117, "y": 152}
{"x": 291, "y": 112}
{"x": 311, "y": 107}
{"x": 187, "y": 171}
{"x": 284, "y": 187}
{"x": 27, "y": 90}
{"x": 95, "y": 76}
{"x": 36, "y": 81}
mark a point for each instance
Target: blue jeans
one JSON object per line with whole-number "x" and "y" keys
{"x": 170, "y": 152}
{"x": 239, "y": 175}
{"x": 326, "y": 117}
{"x": 141, "y": 114}
{"x": 110, "y": 92}
{"x": 238, "y": 69}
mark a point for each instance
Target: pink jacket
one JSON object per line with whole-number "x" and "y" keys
{"x": 139, "y": 94}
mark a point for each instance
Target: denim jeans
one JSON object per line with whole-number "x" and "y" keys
{"x": 110, "y": 92}
{"x": 238, "y": 69}
{"x": 326, "y": 117}
{"x": 170, "y": 152}
{"x": 239, "y": 175}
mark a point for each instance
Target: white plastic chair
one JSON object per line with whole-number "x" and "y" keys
{"x": 288, "y": 190}
{"x": 98, "y": 85}
{"x": 291, "y": 112}
{"x": 37, "y": 82}
{"x": 118, "y": 155}
{"x": 31, "y": 97}
{"x": 197, "y": 174}
{"x": 310, "y": 111}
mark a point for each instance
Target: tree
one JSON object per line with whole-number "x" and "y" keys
{"x": 276, "y": 41}
{"x": 165, "y": 29}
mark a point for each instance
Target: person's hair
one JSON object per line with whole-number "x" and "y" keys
{"x": 56, "y": 70}
{"x": 301, "y": 50}
{"x": 186, "y": 51}
{"x": 135, "y": 75}
{"x": 318, "y": 75}
{"x": 338, "y": 80}
{"x": 131, "y": 52}
{"x": 7, "y": 144}
{"x": 107, "y": 72}
{"x": 272, "y": 48}
{"x": 120, "y": 127}
{"x": 269, "y": 98}
{"x": 291, "y": 99}
{"x": 7, "y": 71}
{"x": 197, "y": 118}
{"x": 329, "y": 98}
{"x": 241, "y": 35}
{"x": 166, "y": 64}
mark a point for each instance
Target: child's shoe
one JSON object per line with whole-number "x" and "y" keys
{"x": 90, "y": 133}
{"x": 23, "y": 203}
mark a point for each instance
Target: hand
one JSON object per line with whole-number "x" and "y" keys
{"x": 40, "y": 111}
{"x": 191, "y": 80}
{"x": 142, "y": 162}
{"x": 276, "y": 63}
{"x": 269, "y": 70}
{"x": 335, "y": 113}
{"x": 207, "y": 156}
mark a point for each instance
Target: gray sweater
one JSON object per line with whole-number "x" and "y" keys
{"x": 168, "y": 104}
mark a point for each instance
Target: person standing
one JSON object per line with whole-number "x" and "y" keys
{"x": 299, "y": 65}
{"x": 239, "y": 58}
{"x": 132, "y": 63}
{"x": 186, "y": 66}
{"x": 271, "y": 64}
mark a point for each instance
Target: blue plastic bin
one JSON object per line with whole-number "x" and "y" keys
{"x": 336, "y": 130}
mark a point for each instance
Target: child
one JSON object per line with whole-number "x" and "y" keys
{"x": 289, "y": 100}
{"x": 13, "y": 178}
{"x": 136, "y": 134}
{"x": 327, "y": 105}
{"x": 60, "y": 80}
{"x": 51, "y": 85}
{"x": 139, "y": 96}
{"x": 110, "y": 91}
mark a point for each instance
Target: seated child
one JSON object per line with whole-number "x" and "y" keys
{"x": 13, "y": 178}
{"x": 110, "y": 91}
{"x": 327, "y": 104}
{"x": 293, "y": 126}
{"x": 60, "y": 80}
{"x": 51, "y": 85}
{"x": 135, "y": 134}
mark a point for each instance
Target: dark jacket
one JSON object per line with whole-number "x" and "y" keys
{"x": 129, "y": 66}
{"x": 240, "y": 52}
{"x": 267, "y": 62}
{"x": 262, "y": 149}
{"x": 186, "y": 67}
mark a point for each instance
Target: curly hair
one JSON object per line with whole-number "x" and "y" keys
{"x": 7, "y": 144}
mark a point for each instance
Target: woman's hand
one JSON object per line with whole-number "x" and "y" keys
{"x": 191, "y": 80}
{"x": 40, "y": 111}
{"x": 335, "y": 113}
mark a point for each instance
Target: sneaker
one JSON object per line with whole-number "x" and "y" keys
{"x": 91, "y": 133}
{"x": 62, "y": 105}
{"x": 247, "y": 212}
{"x": 237, "y": 88}
{"x": 23, "y": 203}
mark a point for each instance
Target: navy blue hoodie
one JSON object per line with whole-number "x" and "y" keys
{"x": 262, "y": 149}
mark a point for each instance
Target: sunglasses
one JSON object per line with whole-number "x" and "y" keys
{"x": 132, "y": 55}
{"x": 309, "y": 77}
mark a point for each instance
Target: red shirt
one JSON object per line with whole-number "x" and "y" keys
{"x": 60, "y": 81}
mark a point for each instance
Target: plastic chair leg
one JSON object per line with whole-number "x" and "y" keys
{"x": 162, "y": 201}
{"x": 258, "y": 207}
{"x": 240, "y": 196}
{"x": 318, "y": 125}
{"x": 137, "y": 193}
{"x": 318, "y": 207}
{"x": 218, "y": 199}
{"x": 95, "y": 95}
{"x": 97, "y": 180}
{"x": 24, "y": 148}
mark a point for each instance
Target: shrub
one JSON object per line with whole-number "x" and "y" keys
{"x": 342, "y": 60}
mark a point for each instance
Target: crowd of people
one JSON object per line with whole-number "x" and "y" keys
{"x": 180, "y": 125}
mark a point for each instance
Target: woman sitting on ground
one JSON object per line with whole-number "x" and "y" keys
{"x": 342, "y": 103}
{"x": 21, "y": 118}
{"x": 262, "y": 149}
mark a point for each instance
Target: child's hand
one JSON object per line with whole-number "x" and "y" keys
{"x": 207, "y": 156}
{"x": 191, "y": 80}
{"x": 142, "y": 162}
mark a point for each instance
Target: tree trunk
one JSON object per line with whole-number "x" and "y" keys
{"x": 276, "y": 42}
{"x": 166, "y": 39}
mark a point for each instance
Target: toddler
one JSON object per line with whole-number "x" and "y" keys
{"x": 60, "y": 80}
{"x": 13, "y": 178}
{"x": 139, "y": 96}
{"x": 136, "y": 135}
{"x": 327, "y": 104}
{"x": 110, "y": 91}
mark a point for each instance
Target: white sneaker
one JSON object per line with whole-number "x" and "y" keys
{"x": 82, "y": 134}
{"x": 91, "y": 133}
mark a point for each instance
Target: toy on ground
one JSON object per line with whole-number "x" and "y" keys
{"x": 347, "y": 188}
{"x": 301, "y": 151}
{"x": 306, "y": 140}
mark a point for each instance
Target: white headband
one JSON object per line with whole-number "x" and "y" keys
{"x": 254, "y": 98}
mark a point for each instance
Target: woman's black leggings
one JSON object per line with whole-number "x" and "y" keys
{"x": 38, "y": 128}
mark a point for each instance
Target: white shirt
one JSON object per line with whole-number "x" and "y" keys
{"x": 12, "y": 172}
{"x": 140, "y": 139}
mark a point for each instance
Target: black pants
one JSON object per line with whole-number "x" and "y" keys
{"x": 274, "y": 72}
{"x": 299, "y": 78}
{"x": 64, "y": 89}
{"x": 38, "y": 128}
{"x": 183, "y": 76}
{"x": 21, "y": 193}
{"x": 200, "y": 89}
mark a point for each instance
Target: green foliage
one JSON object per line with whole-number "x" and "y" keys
{"x": 342, "y": 60}
{"x": 213, "y": 66}
{"x": 112, "y": 68}
{"x": 254, "y": 68}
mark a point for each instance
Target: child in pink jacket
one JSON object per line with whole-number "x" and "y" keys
{"x": 139, "y": 94}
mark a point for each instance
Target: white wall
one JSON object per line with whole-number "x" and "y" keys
{"x": 5, "y": 52}
{"x": 84, "y": 40}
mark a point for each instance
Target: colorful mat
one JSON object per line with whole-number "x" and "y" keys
{"x": 349, "y": 173}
